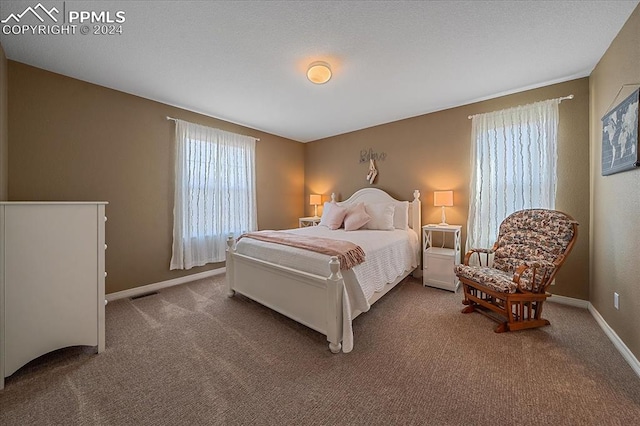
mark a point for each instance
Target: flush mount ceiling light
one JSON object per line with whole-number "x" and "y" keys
{"x": 319, "y": 72}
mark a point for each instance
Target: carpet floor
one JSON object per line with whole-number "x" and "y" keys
{"x": 191, "y": 356}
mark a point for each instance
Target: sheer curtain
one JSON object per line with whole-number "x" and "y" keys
{"x": 513, "y": 162}
{"x": 215, "y": 193}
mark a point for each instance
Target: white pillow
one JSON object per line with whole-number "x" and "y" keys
{"x": 401, "y": 215}
{"x": 332, "y": 215}
{"x": 356, "y": 217}
{"x": 381, "y": 216}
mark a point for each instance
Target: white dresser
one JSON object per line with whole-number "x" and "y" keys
{"x": 52, "y": 274}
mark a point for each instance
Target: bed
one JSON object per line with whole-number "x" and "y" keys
{"x": 311, "y": 288}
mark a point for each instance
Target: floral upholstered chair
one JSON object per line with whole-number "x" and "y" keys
{"x": 532, "y": 246}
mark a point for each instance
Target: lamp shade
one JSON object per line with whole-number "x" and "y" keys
{"x": 443, "y": 198}
{"x": 315, "y": 199}
{"x": 319, "y": 72}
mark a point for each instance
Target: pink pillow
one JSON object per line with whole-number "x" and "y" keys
{"x": 356, "y": 217}
{"x": 332, "y": 215}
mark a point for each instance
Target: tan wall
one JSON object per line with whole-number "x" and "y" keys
{"x": 615, "y": 199}
{"x": 432, "y": 152}
{"x": 4, "y": 132}
{"x": 71, "y": 140}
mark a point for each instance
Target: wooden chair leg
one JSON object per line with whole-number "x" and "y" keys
{"x": 502, "y": 327}
{"x": 512, "y": 317}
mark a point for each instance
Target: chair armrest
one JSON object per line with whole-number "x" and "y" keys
{"x": 470, "y": 253}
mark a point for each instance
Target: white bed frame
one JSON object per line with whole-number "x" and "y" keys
{"x": 310, "y": 299}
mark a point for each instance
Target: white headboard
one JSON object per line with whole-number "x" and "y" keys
{"x": 375, "y": 195}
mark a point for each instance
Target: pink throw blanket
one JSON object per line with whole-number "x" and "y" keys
{"x": 348, "y": 253}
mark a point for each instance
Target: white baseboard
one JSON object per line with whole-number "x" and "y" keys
{"x": 617, "y": 341}
{"x": 137, "y": 291}
{"x": 564, "y": 300}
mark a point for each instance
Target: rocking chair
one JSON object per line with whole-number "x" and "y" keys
{"x": 532, "y": 246}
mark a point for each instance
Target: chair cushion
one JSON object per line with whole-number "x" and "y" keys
{"x": 529, "y": 236}
{"x": 495, "y": 279}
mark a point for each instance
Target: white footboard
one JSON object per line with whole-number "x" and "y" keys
{"x": 309, "y": 299}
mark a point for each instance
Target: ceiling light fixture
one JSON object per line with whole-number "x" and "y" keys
{"x": 319, "y": 72}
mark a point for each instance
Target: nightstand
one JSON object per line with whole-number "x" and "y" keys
{"x": 303, "y": 222}
{"x": 438, "y": 262}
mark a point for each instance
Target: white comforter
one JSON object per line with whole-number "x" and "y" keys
{"x": 389, "y": 254}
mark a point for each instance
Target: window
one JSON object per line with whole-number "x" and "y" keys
{"x": 514, "y": 158}
{"x": 214, "y": 194}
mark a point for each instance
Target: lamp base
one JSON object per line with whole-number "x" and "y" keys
{"x": 443, "y": 219}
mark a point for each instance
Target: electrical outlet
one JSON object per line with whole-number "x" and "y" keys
{"x": 616, "y": 300}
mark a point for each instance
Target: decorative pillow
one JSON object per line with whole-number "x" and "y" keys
{"x": 332, "y": 215}
{"x": 401, "y": 215}
{"x": 381, "y": 216}
{"x": 356, "y": 217}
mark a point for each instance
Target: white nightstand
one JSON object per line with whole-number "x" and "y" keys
{"x": 438, "y": 262}
{"x": 303, "y": 222}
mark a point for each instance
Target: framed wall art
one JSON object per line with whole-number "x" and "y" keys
{"x": 620, "y": 136}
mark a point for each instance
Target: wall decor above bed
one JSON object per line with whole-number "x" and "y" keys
{"x": 371, "y": 176}
{"x": 370, "y": 154}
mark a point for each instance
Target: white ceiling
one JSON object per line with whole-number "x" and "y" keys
{"x": 245, "y": 62}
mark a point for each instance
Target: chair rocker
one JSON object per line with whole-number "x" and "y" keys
{"x": 532, "y": 245}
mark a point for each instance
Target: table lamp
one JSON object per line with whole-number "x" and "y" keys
{"x": 442, "y": 199}
{"x": 314, "y": 200}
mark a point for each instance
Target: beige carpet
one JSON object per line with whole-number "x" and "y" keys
{"x": 191, "y": 356}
